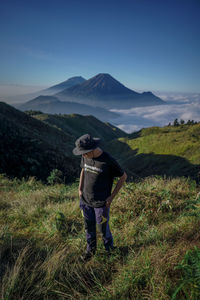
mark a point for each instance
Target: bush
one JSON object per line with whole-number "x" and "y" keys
{"x": 55, "y": 177}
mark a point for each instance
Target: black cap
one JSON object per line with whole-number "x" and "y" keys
{"x": 85, "y": 144}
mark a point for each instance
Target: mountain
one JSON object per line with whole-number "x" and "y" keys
{"x": 51, "y": 104}
{"x": 47, "y": 92}
{"x": 105, "y": 91}
{"x": 63, "y": 85}
{"x": 89, "y": 97}
{"x": 34, "y": 146}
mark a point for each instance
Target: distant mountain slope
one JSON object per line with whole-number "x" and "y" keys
{"x": 51, "y": 104}
{"x": 170, "y": 151}
{"x": 103, "y": 90}
{"x": 77, "y": 125}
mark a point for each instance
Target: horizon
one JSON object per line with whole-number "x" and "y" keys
{"x": 146, "y": 46}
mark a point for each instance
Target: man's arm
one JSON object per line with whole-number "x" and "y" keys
{"x": 80, "y": 188}
{"x": 116, "y": 189}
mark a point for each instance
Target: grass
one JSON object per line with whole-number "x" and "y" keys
{"x": 182, "y": 141}
{"x": 168, "y": 151}
{"x": 155, "y": 223}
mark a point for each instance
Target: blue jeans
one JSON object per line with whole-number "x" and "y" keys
{"x": 99, "y": 216}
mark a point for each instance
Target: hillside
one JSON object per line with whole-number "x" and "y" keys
{"x": 30, "y": 147}
{"x": 155, "y": 224}
{"x": 170, "y": 151}
{"x": 77, "y": 125}
{"x": 105, "y": 91}
{"x": 35, "y": 146}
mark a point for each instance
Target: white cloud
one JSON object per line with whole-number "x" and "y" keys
{"x": 139, "y": 117}
{"x": 178, "y": 97}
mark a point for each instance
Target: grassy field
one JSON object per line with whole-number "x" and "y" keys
{"x": 183, "y": 141}
{"x": 171, "y": 150}
{"x": 155, "y": 223}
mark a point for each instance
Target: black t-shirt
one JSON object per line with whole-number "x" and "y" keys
{"x": 99, "y": 173}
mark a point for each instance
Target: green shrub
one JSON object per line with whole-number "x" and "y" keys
{"x": 55, "y": 177}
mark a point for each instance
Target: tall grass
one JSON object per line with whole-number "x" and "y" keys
{"x": 155, "y": 223}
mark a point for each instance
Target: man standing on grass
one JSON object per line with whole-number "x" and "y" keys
{"x": 95, "y": 190}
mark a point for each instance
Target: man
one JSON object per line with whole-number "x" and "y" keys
{"x": 95, "y": 190}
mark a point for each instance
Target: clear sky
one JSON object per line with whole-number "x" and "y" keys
{"x": 145, "y": 44}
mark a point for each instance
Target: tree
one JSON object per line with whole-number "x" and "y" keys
{"x": 176, "y": 123}
{"x": 190, "y": 122}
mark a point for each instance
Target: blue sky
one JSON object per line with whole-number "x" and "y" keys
{"x": 145, "y": 44}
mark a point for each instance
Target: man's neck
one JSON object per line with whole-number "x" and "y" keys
{"x": 97, "y": 152}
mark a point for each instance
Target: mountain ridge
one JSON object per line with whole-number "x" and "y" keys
{"x": 65, "y": 84}
{"x": 107, "y": 92}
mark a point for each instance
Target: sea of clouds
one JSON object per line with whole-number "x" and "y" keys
{"x": 180, "y": 106}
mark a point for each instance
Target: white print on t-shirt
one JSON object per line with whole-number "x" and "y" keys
{"x": 92, "y": 169}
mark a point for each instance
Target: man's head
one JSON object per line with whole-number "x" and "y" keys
{"x": 85, "y": 145}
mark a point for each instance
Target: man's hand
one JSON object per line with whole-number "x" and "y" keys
{"x": 116, "y": 189}
{"x": 108, "y": 201}
{"x": 80, "y": 193}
